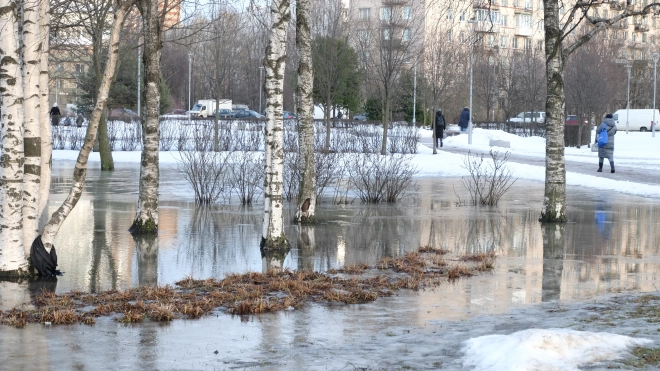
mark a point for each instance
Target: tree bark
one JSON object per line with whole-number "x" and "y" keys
{"x": 45, "y": 129}
{"x": 554, "y": 201}
{"x": 31, "y": 63}
{"x": 80, "y": 171}
{"x": 146, "y": 217}
{"x": 307, "y": 188}
{"x": 273, "y": 238}
{"x": 12, "y": 255}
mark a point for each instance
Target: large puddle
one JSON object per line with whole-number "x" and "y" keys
{"x": 609, "y": 245}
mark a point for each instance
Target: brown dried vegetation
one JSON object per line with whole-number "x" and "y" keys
{"x": 250, "y": 293}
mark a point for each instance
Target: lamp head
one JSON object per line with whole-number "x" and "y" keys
{"x": 655, "y": 57}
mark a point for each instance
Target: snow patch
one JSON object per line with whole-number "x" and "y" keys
{"x": 546, "y": 349}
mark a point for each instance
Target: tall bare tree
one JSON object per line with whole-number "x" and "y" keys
{"x": 557, "y": 32}
{"x": 273, "y": 238}
{"x": 307, "y": 188}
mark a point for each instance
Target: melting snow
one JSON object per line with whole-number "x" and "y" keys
{"x": 545, "y": 350}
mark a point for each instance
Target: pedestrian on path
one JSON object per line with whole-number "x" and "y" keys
{"x": 607, "y": 151}
{"x": 55, "y": 115}
{"x": 439, "y": 126}
{"x": 464, "y": 119}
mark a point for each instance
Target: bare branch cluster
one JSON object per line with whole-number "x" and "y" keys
{"x": 487, "y": 182}
{"x": 376, "y": 178}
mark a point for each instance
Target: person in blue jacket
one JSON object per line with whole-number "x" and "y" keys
{"x": 464, "y": 119}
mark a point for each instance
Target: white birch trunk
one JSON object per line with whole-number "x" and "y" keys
{"x": 45, "y": 129}
{"x": 31, "y": 48}
{"x": 554, "y": 200}
{"x": 12, "y": 256}
{"x": 273, "y": 237}
{"x": 305, "y": 114}
{"x": 146, "y": 217}
{"x": 80, "y": 171}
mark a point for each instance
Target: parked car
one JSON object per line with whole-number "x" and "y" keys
{"x": 527, "y": 117}
{"x": 571, "y": 120}
{"x": 289, "y": 115}
{"x": 225, "y": 113}
{"x": 244, "y": 114}
{"x": 361, "y": 117}
{"x": 124, "y": 114}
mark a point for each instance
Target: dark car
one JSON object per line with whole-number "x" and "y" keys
{"x": 124, "y": 114}
{"x": 225, "y": 114}
{"x": 572, "y": 120}
{"x": 361, "y": 117}
{"x": 289, "y": 115}
{"x": 245, "y": 114}
{"x": 177, "y": 111}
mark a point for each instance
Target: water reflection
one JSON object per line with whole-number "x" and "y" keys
{"x": 553, "y": 261}
{"x": 147, "y": 254}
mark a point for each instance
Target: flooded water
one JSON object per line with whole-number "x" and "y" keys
{"x": 609, "y": 245}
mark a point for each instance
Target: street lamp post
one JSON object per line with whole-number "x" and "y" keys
{"x": 190, "y": 55}
{"x": 261, "y": 88}
{"x": 628, "y": 99}
{"x": 470, "y": 107}
{"x": 414, "y": 94}
{"x": 655, "y": 57}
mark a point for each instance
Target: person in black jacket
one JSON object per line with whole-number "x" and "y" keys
{"x": 439, "y": 126}
{"x": 464, "y": 120}
{"x": 55, "y": 115}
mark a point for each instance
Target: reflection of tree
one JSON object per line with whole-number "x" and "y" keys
{"x": 101, "y": 247}
{"x": 306, "y": 247}
{"x": 147, "y": 259}
{"x": 553, "y": 260}
{"x": 273, "y": 259}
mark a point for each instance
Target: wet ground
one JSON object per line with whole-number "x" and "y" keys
{"x": 610, "y": 245}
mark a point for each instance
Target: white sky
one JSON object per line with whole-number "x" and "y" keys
{"x": 533, "y": 349}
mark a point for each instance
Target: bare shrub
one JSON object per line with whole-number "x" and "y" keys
{"x": 76, "y": 137}
{"x": 290, "y": 139}
{"x": 131, "y": 136}
{"x": 291, "y": 175}
{"x": 487, "y": 181}
{"x": 368, "y": 138}
{"x": 403, "y": 139}
{"x": 182, "y": 138}
{"x": 206, "y": 171}
{"x": 376, "y": 178}
{"x": 168, "y": 132}
{"x": 247, "y": 136}
{"x": 113, "y": 133}
{"x": 329, "y": 169}
{"x": 247, "y": 175}
{"x": 59, "y": 137}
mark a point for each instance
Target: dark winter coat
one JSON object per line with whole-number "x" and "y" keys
{"x": 55, "y": 111}
{"x": 607, "y": 150}
{"x": 439, "y": 123}
{"x": 465, "y": 118}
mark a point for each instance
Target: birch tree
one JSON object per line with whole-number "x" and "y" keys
{"x": 556, "y": 52}
{"x": 146, "y": 217}
{"x": 12, "y": 256}
{"x": 305, "y": 113}
{"x": 273, "y": 238}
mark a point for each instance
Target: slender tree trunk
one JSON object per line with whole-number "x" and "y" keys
{"x": 386, "y": 122}
{"x": 12, "y": 256}
{"x": 45, "y": 129}
{"x": 326, "y": 119}
{"x": 80, "y": 171}
{"x": 307, "y": 187}
{"x": 105, "y": 151}
{"x": 146, "y": 217}
{"x": 554, "y": 201}
{"x": 31, "y": 63}
{"x": 273, "y": 238}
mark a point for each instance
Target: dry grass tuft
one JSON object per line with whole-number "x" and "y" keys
{"x": 252, "y": 292}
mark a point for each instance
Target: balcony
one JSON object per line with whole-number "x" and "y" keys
{"x": 394, "y": 2}
{"x": 620, "y": 26}
{"x": 527, "y": 9}
{"x": 637, "y": 45}
{"x": 484, "y": 4}
{"x": 523, "y": 31}
{"x": 641, "y": 27}
{"x": 486, "y": 27}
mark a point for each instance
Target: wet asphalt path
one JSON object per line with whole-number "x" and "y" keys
{"x": 625, "y": 170}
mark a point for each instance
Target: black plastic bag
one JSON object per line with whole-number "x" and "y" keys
{"x": 43, "y": 261}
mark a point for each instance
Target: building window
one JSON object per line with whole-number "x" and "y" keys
{"x": 462, "y": 17}
{"x": 450, "y": 14}
{"x": 505, "y": 3}
{"x": 524, "y": 21}
{"x": 516, "y": 3}
{"x": 643, "y": 37}
{"x": 540, "y": 5}
{"x": 365, "y": 14}
{"x": 450, "y": 35}
{"x": 462, "y": 37}
{"x": 407, "y": 12}
{"x": 528, "y": 4}
{"x": 539, "y": 25}
{"x": 503, "y": 42}
{"x": 562, "y": 10}
{"x": 634, "y": 37}
{"x": 80, "y": 68}
{"x": 406, "y": 35}
{"x": 386, "y": 34}
{"x": 528, "y": 43}
{"x": 625, "y": 35}
{"x": 539, "y": 44}
{"x": 505, "y": 20}
{"x": 514, "y": 43}
{"x": 386, "y": 13}
{"x": 491, "y": 40}
{"x": 363, "y": 36}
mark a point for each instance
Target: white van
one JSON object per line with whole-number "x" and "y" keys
{"x": 525, "y": 117}
{"x": 638, "y": 119}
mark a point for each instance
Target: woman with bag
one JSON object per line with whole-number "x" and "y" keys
{"x": 439, "y": 127}
{"x": 606, "y": 150}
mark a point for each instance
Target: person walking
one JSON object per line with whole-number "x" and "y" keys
{"x": 79, "y": 120}
{"x": 464, "y": 119}
{"x": 439, "y": 126}
{"x": 55, "y": 115}
{"x": 607, "y": 151}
